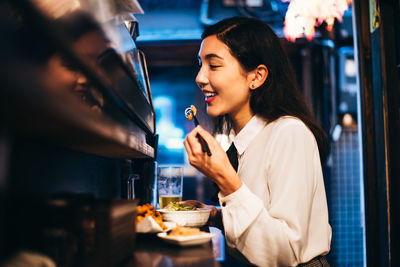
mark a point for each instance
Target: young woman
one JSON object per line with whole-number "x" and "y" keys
{"x": 274, "y": 209}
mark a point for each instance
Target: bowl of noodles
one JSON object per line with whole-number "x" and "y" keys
{"x": 185, "y": 215}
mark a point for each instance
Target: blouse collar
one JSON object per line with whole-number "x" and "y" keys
{"x": 247, "y": 134}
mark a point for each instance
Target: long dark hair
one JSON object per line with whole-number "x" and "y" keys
{"x": 252, "y": 42}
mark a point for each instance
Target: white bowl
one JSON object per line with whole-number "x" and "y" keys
{"x": 192, "y": 218}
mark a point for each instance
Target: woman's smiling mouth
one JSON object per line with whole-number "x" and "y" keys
{"x": 209, "y": 96}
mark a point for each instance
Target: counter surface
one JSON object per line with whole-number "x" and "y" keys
{"x": 152, "y": 251}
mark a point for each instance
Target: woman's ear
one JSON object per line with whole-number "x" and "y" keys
{"x": 258, "y": 76}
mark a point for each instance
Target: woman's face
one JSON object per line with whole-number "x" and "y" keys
{"x": 224, "y": 82}
{"x": 68, "y": 75}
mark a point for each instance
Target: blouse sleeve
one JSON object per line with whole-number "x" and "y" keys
{"x": 276, "y": 235}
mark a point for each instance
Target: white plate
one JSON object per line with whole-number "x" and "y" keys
{"x": 186, "y": 240}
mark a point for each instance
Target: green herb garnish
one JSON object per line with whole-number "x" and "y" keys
{"x": 176, "y": 206}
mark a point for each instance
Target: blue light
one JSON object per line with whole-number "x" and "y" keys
{"x": 170, "y": 136}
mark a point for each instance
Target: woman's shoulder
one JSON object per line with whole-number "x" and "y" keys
{"x": 288, "y": 122}
{"x": 290, "y": 126}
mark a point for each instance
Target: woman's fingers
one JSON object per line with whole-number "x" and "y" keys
{"x": 193, "y": 142}
{"x": 213, "y": 209}
{"x": 197, "y": 157}
{"x": 210, "y": 167}
{"x": 194, "y": 203}
{"x": 206, "y": 136}
{"x": 199, "y": 204}
{"x": 188, "y": 148}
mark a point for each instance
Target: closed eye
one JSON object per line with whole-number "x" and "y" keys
{"x": 214, "y": 66}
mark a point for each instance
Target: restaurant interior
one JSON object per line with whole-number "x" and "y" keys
{"x": 76, "y": 163}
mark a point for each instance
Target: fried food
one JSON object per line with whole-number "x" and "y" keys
{"x": 190, "y": 112}
{"x": 146, "y": 210}
{"x": 185, "y": 231}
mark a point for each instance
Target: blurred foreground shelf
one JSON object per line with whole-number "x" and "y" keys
{"x": 35, "y": 100}
{"x": 62, "y": 119}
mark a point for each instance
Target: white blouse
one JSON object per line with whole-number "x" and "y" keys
{"x": 279, "y": 216}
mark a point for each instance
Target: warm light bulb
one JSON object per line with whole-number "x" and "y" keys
{"x": 347, "y": 120}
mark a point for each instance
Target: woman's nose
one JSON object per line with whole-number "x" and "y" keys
{"x": 201, "y": 79}
{"x": 82, "y": 82}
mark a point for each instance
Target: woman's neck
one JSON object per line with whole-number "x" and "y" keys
{"x": 240, "y": 121}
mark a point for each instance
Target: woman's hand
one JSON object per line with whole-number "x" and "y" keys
{"x": 215, "y": 167}
{"x": 199, "y": 204}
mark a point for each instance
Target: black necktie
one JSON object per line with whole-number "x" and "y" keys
{"x": 232, "y": 156}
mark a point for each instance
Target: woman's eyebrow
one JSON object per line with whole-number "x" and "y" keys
{"x": 209, "y": 56}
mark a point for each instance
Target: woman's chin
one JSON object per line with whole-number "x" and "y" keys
{"x": 212, "y": 112}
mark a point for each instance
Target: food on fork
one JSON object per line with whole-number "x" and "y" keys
{"x": 190, "y": 112}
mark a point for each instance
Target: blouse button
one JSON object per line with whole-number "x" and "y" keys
{"x": 223, "y": 204}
